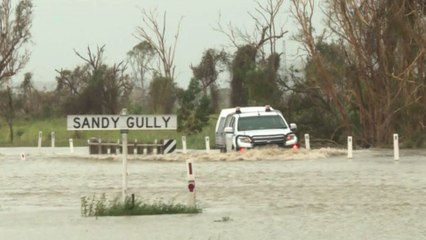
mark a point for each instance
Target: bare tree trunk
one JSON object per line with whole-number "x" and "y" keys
{"x": 10, "y": 114}
{"x": 10, "y": 124}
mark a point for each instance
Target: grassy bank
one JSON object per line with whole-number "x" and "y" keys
{"x": 93, "y": 207}
{"x": 26, "y": 134}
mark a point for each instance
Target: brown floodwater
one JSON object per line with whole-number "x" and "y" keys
{"x": 257, "y": 194}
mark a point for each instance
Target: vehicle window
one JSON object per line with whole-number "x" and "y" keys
{"x": 261, "y": 122}
{"x": 221, "y": 125}
{"x": 227, "y": 121}
{"x": 232, "y": 122}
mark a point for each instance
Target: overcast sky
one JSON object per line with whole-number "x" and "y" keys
{"x": 60, "y": 26}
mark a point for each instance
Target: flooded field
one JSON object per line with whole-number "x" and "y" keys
{"x": 258, "y": 194}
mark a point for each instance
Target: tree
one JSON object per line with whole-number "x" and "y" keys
{"x": 194, "y": 108}
{"x": 162, "y": 92}
{"x": 207, "y": 71}
{"x": 27, "y": 94}
{"x": 252, "y": 50}
{"x": 154, "y": 33}
{"x": 242, "y": 65}
{"x": 15, "y": 25}
{"x": 14, "y": 35}
{"x": 140, "y": 59}
{"x": 7, "y": 108}
{"x": 383, "y": 48}
{"x": 94, "y": 87}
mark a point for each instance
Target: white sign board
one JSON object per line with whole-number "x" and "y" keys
{"x": 119, "y": 122}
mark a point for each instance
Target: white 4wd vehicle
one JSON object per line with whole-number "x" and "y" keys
{"x": 250, "y": 127}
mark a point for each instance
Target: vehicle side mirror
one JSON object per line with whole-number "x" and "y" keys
{"x": 293, "y": 126}
{"x": 228, "y": 130}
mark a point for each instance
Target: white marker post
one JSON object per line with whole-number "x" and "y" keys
{"x": 191, "y": 184}
{"x": 124, "y": 133}
{"x": 307, "y": 143}
{"x": 184, "y": 144}
{"x": 52, "y": 135}
{"x": 350, "y": 147}
{"x": 71, "y": 145}
{"x": 40, "y": 135}
{"x": 135, "y": 147}
{"x": 395, "y": 147}
{"x": 207, "y": 139}
{"x": 117, "y": 150}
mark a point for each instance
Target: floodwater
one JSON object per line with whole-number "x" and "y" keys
{"x": 258, "y": 194}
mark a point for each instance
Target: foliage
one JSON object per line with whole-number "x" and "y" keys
{"x": 262, "y": 83}
{"x": 242, "y": 65}
{"x": 162, "y": 93}
{"x": 371, "y": 67}
{"x": 363, "y": 75}
{"x": 207, "y": 72}
{"x": 7, "y": 109}
{"x": 140, "y": 59}
{"x": 194, "y": 110}
{"x": 15, "y": 26}
{"x": 94, "y": 88}
{"x": 131, "y": 206}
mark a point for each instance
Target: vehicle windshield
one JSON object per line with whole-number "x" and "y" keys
{"x": 261, "y": 122}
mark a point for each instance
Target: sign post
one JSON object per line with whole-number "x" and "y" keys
{"x": 124, "y": 123}
{"x": 124, "y": 133}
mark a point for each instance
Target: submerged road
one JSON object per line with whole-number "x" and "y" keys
{"x": 317, "y": 194}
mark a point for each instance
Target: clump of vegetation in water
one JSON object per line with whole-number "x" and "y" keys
{"x": 102, "y": 207}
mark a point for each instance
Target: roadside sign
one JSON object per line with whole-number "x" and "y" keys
{"x": 121, "y": 122}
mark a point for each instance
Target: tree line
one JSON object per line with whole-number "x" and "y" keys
{"x": 363, "y": 72}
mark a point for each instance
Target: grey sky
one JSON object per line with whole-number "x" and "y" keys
{"x": 60, "y": 26}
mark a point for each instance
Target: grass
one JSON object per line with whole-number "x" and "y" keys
{"x": 102, "y": 207}
{"x": 26, "y": 134}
